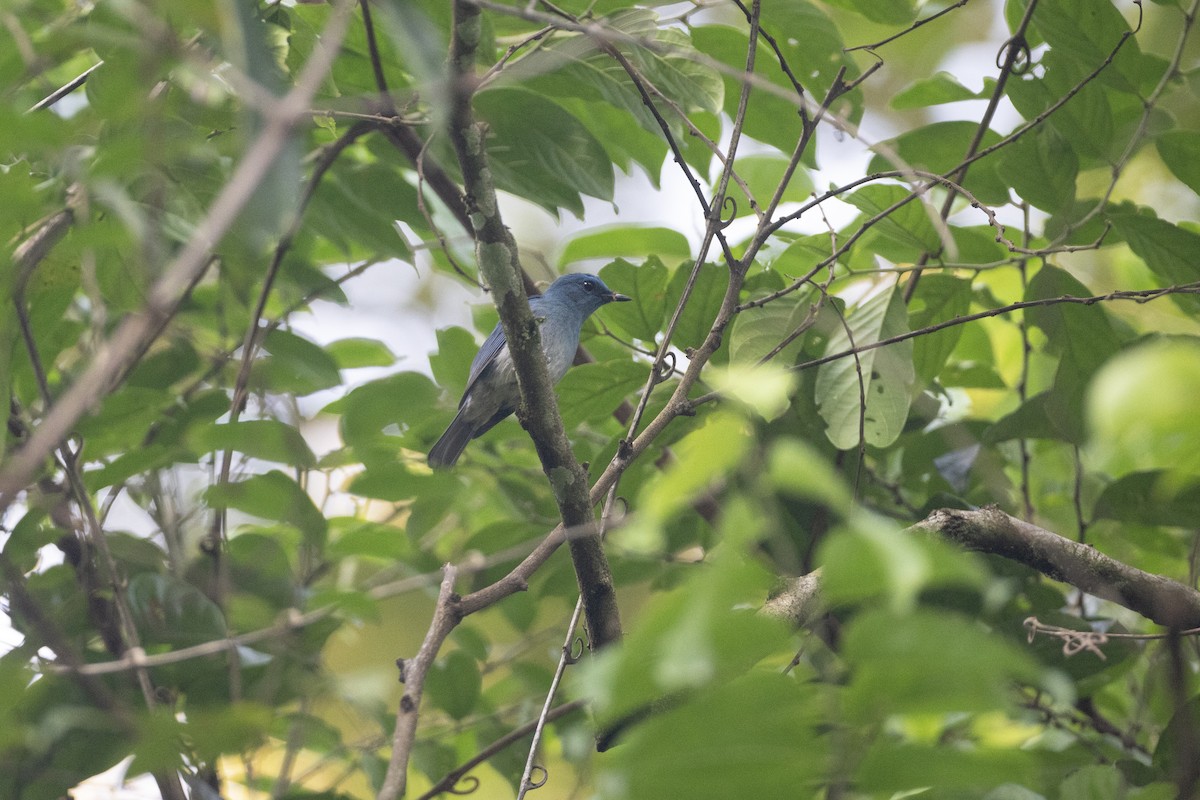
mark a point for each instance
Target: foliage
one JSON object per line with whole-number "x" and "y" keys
{"x": 997, "y": 307}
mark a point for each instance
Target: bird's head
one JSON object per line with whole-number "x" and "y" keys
{"x": 583, "y": 291}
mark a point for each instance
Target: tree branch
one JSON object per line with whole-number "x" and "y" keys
{"x": 499, "y": 262}
{"x": 413, "y": 673}
{"x": 989, "y": 530}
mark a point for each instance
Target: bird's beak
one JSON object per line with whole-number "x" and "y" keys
{"x": 617, "y": 297}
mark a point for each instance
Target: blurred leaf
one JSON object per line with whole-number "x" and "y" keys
{"x": 1142, "y": 406}
{"x": 169, "y": 611}
{"x": 273, "y": 496}
{"x": 705, "y": 455}
{"x": 1082, "y": 335}
{"x": 890, "y": 767}
{"x": 454, "y": 684}
{"x": 765, "y": 389}
{"x": 900, "y": 664}
{"x": 885, "y": 12}
{"x": 294, "y": 365}
{"x": 235, "y": 728}
{"x": 1180, "y": 151}
{"x": 268, "y": 439}
{"x": 359, "y": 352}
{"x": 884, "y": 376}
{"x": 726, "y": 742}
{"x": 1151, "y": 498}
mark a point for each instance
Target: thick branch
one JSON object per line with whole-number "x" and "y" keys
{"x": 499, "y": 262}
{"x": 989, "y": 530}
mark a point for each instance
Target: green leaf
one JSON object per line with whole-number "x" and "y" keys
{"x": 1088, "y": 33}
{"x": 758, "y": 331}
{"x": 765, "y": 389}
{"x": 727, "y": 742}
{"x": 901, "y": 666}
{"x": 1031, "y": 420}
{"x": 168, "y": 611}
{"x": 645, "y": 316}
{"x": 294, "y": 365}
{"x": 1158, "y": 497}
{"x": 940, "y": 147}
{"x": 938, "y": 298}
{"x": 360, "y": 352}
{"x": 625, "y": 241}
{"x": 763, "y": 174}
{"x": 1142, "y": 407}
{"x": 908, "y": 225}
{"x": 356, "y": 207}
{"x": 1084, "y": 338}
{"x": 942, "y": 87}
{"x": 124, "y": 419}
{"x": 885, "y": 12}
{"x": 381, "y": 416}
{"x": 1180, "y": 151}
{"x": 1042, "y": 167}
{"x": 267, "y": 439}
{"x": 454, "y": 684}
{"x": 1168, "y": 250}
{"x": 817, "y": 56}
{"x": 589, "y": 392}
{"x": 887, "y": 376}
{"x": 1086, "y": 122}
{"x": 702, "y": 457}
{"x": 890, "y": 768}
{"x": 272, "y": 496}
{"x": 702, "y": 306}
{"x": 540, "y": 152}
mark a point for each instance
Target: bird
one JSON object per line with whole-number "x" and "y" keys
{"x": 492, "y": 393}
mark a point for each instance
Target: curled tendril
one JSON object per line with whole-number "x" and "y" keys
{"x": 543, "y": 775}
{"x": 730, "y": 204}
{"x": 663, "y": 369}
{"x": 1021, "y": 61}
{"x": 1073, "y": 641}
{"x": 573, "y": 655}
{"x": 469, "y": 784}
{"x": 624, "y": 504}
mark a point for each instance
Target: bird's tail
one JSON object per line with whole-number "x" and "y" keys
{"x": 448, "y": 448}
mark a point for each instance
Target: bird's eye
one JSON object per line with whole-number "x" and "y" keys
{"x": 588, "y": 286}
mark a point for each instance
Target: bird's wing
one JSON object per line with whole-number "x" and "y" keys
{"x": 491, "y": 348}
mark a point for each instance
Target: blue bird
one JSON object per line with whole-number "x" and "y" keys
{"x": 492, "y": 393}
